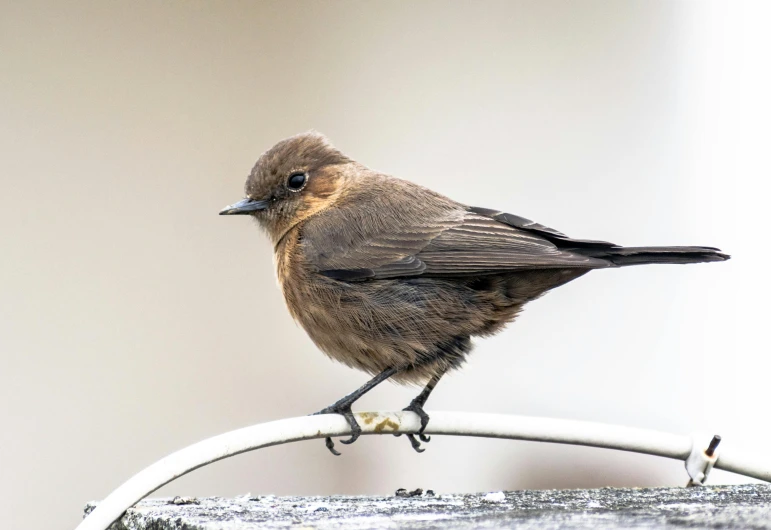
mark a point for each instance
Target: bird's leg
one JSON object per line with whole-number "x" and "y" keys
{"x": 343, "y": 406}
{"x": 416, "y": 406}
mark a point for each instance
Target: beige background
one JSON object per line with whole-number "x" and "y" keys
{"x": 135, "y": 321}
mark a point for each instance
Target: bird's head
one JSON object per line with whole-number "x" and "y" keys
{"x": 291, "y": 181}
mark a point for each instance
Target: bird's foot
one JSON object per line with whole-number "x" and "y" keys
{"x": 345, "y": 410}
{"x": 416, "y": 406}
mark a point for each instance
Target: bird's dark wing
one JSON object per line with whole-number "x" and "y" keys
{"x": 481, "y": 245}
{"x": 550, "y": 234}
{"x": 426, "y": 236}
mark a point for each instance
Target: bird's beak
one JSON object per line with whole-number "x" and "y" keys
{"x": 244, "y": 207}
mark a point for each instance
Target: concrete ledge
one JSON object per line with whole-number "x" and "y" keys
{"x": 745, "y": 506}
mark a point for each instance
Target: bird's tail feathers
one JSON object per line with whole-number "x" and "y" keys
{"x": 624, "y": 256}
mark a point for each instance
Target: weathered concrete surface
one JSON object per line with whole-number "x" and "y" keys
{"x": 741, "y": 507}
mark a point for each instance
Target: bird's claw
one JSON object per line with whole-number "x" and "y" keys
{"x": 417, "y": 407}
{"x": 331, "y": 446}
{"x": 415, "y": 443}
{"x": 347, "y": 413}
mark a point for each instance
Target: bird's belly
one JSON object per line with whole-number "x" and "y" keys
{"x": 354, "y": 325}
{"x": 419, "y": 325}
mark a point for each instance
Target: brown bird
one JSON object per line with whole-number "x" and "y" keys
{"x": 394, "y": 279}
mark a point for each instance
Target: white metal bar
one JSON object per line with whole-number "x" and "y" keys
{"x": 450, "y": 423}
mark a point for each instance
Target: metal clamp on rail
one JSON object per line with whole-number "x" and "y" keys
{"x": 701, "y": 460}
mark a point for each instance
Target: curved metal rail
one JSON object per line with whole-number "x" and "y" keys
{"x": 679, "y": 447}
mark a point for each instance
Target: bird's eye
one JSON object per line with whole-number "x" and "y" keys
{"x": 297, "y": 181}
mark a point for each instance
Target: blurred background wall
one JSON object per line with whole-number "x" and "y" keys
{"x": 135, "y": 321}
